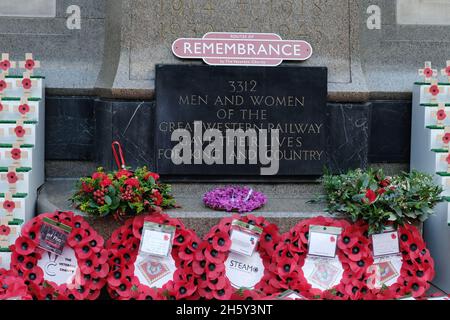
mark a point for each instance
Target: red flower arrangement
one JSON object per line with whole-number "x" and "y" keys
{"x": 89, "y": 252}
{"x": 12, "y": 287}
{"x": 352, "y": 251}
{"x": 122, "y": 193}
{"x": 417, "y": 267}
{"x": 123, "y": 249}
{"x": 209, "y": 264}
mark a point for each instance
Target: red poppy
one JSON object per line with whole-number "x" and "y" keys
{"x": 1, "y": 107}
{"x": 446, "y": 138}
{"x": 9, "y": 205}
{"x": 441, "y": 115}
{"x": 155, "y": 176}
{"x": 447, "y": 71}
{"x": 12, "y": 177}
{"x": 29, "y": 64}
{"x": 448, "y": 159}
{"x": 221, "y": 242}
{"x": 24, "y": 108}
{"x": 5, "y": 65}
{"x": 146, "y": 293}
{"x": 26, "y": 83}
{"x": 428, "y": 72}
{"x": 416, "y": 287}
{"x": 20, "y": 131}
{"x": 434, "y": 90}
{"x": 370, "y": 196}
{"x": 5, "y": 230}
{"x": 16, "y": 154}
{"x": 3, "y": 85}
{"x": 183, "y": 289}
{"x": 24, "y": 246}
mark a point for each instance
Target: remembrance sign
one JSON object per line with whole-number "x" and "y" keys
{"x": 240, "y": 120}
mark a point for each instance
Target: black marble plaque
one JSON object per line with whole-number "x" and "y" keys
{"x": 201, "y": 110}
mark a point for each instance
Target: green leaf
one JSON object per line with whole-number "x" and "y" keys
{"x": 108, "y": 200}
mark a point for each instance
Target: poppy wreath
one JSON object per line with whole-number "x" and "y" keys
{"x": 209, "y": 263}
{"x": 123, "y": 248}
{"x": 12, "y": 287}
{"x": 417, "y": 267}
{"x": 352, "y": 251}
{"x": 89, "y": 251}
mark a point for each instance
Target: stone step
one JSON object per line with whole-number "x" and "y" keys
{"x": 287, "y": 204}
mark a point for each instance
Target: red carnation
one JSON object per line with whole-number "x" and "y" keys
{"x": 106, "y": 182}
{"x": 132, "y": 182}
{"x": 24, "y": 108}
{"x": 9, "y": 205}
{"x": 98, "y": 175}
{"x": 380, "y": 191}
{"x": 156, "y": 197}
{"x": 370, "y": 196}
{"x": 434, "y": 90}
{"x": 123, "y": 173}
{"x": 86, "y": 187}
{"x": 155, "y": 176}
{"x": 385, "y": 182}
{"x": 26, "y": 83}
{"x": 12, "y": 177}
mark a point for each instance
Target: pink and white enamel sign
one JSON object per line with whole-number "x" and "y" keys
{"x": 242, "y": 49}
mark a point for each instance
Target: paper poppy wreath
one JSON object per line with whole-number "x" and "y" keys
{"x": 417, "y": 267}
{"x": 132, "y": 277}
{"x": 222, "y": 274}
{"x": 342, "y": 279}
{"x": 77, "y": 274}
{"x": 234, "y": 199}
{"x": 13, "y": 287}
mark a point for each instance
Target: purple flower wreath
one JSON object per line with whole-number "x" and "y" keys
{"x": 234, "y": 199}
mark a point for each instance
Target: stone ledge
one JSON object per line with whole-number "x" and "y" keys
{"x": 287, "y": 204}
